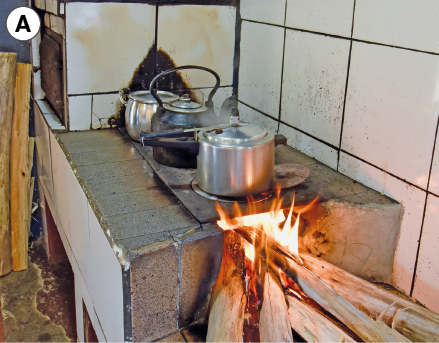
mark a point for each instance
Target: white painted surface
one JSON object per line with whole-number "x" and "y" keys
{"x": 36, "y": 50}
{"x": 79, "y": 232}
{"x": 413, "y": 201}
{"x": 272, "y": 12}
{"x": 309, "y": 146}
{"x": 107, "y": 291}
{"x": 250, "y": 116}
{"x": 102, "y": 52}
{"x": 104, "y": 106}
{"x": 327, "y": 16}
{"x": 199, "y": 35}
{"x": 314, "y": 83}
{"x": 80, "y": 112}
{"x": 38, "y": 91}
{"x": 426, "y": 288}
{"x": 434, "y": 177}
{"x": 406, "y": 23}
{"x": 260, "y": 67}
{"x": 392, "y": 109}
{"x": 57, "y": 25}
{"x": 60, "y": 168}
{"x": 43, "y": 151}
{"x": 51, "y": 118}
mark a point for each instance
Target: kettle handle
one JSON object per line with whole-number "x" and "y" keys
{"x": 122, "y": 93}
{"x": 212, "y": 93}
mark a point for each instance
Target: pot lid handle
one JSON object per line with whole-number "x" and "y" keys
{"x": 212, "y": 93}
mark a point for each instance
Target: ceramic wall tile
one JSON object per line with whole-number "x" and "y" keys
{"x": 392, "y": 109}
{"x": 57, "y": 25}
{"x": 199, "y": 35}
{"x": 47, "y": 20}
{"x": 327, "y": 16}
{"x": 62, "y": 8}
{"x": 434, "y": 177}
{"x": 309, "y": 146}
{"x": 104, "y": 106}
{"x": 51, "y": 118}
{"x": 52, "y": 6}
{"x": 80, "y": 108}
{"x": 250, "y": 116}
{"x": 79, "y": 233}
{"x": 426, "y": 289}
{"x": 218, "y": 99}
{"x": 101, "y": 55}
{"x": 43, "y": 149}
{"x": 38, "y": 91}
{"x": 60, "y": 168}
{"x": 410, "y": 197}
{"x": 106, "y": 270}
{"x": 260, "y": 69}
{"x": 314, "y": 82}
{"x": 405, "y": 23}
{"x": 36, "y": 50}
{"x": 272, "y": 12}
{"x": 41, "y": 4}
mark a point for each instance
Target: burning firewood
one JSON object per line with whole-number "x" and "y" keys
{"x": 226, "y": 318}
{"x": 411, "y": 320}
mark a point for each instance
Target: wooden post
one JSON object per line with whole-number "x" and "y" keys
{"x": 20, "y": 171}
{"x": 226, "y": 318}
{"x": 8, "y": 63}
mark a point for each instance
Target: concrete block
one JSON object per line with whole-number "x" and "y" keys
{"x": 201, "y": 254}
{"x": 154, "y": 282}
{"x": 359, "y": 238}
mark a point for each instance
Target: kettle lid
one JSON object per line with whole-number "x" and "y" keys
{"x": 185, "y": 105}
{"x": 236, "y": 134}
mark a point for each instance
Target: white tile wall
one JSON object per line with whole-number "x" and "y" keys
{"x": 41, "y": 4}
{"x": 60, "y": 168}
{"x": 250, "y": 116}
{"x": 405, "y": 23}
{"x": 35, "y": 50}
{"x": 80, "y": 112}
{"x": 104, "y": 106}
{"x": 199, "y": 35}
{"x": 434, "y": 177}
{"x": 314, "y": 82}
{"x": 272, "y": 12}
{"x": 101, "y": 54}
{"x": 57, "y": 25}
{"x": 219, "y": 97}
{"x": 426, "y": 288}
{"x": 392, "y": 109}
{"x": 107, "y": 291}
{"x": 309, "y": 146}
{"x": 413, "y": 201}
{"x": 260, "y": 68}
{"x": 38, "y": 91}
{"x": 51, "y": 118}
{"x": 327, "y": 16}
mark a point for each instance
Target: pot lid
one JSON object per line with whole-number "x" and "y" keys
{"x": 146, "y": 97}
{"x": 240, "y": 133}
{"x": 185, "y": 105}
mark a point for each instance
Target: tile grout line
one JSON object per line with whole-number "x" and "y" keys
{"x": 237, "y": 52}
{"x": 345, "y": 38}
{"x": 156, "y": 37}
{"x": 346, "y": 88}
{"x": 425, "y": 210}
{"x": 282, "y": 69}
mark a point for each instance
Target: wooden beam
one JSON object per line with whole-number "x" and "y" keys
{"x": 8, "y": 64}
{"x": 415, "y": 322}
{"x": 20, "y": 171}
{"x": 226, "y": 318}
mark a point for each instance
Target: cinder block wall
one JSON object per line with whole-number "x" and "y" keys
{"x": 354, "y": 84}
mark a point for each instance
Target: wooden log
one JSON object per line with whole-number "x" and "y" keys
{"x": 362, "y": 325}
{"x": 413, "y": 321}
{"x": 226, "y": 318}
{"x": 20, "y": 171}
{"x": 311, "y": 325}
{"x": 274, "y": 324}
{"x": 8, "y": 64}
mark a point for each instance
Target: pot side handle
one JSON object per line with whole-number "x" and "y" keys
{"x": 209, "y": 102}
{"x": 122, "y": 93}
{"x": 280, "y": 140}
{"x": 180, "y": 143}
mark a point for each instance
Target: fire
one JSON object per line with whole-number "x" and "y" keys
{"x": 284, "y": 230}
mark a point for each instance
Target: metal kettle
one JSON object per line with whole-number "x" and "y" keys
{"x": 181, "y": 114}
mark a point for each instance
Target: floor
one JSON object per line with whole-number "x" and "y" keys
{"x": 38, "y": 304}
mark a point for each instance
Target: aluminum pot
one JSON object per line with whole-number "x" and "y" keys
{"x": 140, "y": 107}
{"x": 236, "y": 160}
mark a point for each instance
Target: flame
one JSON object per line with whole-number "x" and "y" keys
{"x": 271, "y": 222}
